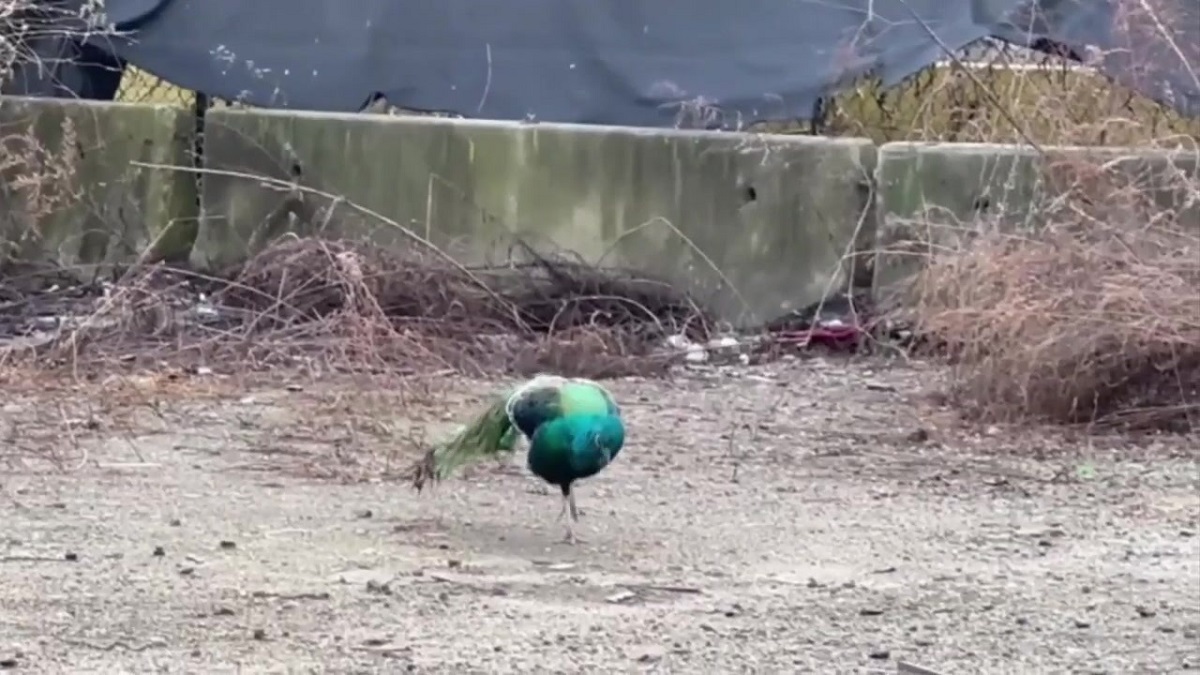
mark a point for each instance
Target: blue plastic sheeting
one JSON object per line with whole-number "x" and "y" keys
{"x": 627, "y": 62}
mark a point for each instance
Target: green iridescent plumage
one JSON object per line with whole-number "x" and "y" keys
{"x": 573, "y": 426}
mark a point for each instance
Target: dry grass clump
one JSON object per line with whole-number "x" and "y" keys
{"x": 342, "y": 305}
{"x": 1094, "y": 319}
{"x": 1087, "y": 312}
{"x": 306, "y": 278}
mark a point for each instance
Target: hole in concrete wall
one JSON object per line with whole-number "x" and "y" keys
{"x": 749, "y": 194}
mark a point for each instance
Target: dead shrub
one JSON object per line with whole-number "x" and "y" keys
{"x": 1093, "y": 319}
{"x": 347, "y": 305}
{"x": 38, "y": 181}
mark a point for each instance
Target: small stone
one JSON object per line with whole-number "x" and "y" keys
{"x": 870, "y": 611}
{"x": 379, "y": 587}
{"x": 9, "y": 663}
{"x": 187, "y": 571}
{"x": 1080, "y": 623}
{"x": 260, "y": 634}
{"x": 618, "y": 598}
{"x": 879, "y": 654}
{"x": 71, "y": 557}
{"x": 174, "y": 522}
{"x": 364, "y": 514}
{"x": 1145, "y": 612}
{"x": 158, "y": 552}
{"x": 222, "y": 611}
{"x": 375, "y": 642}
{"x": 227, "y": 545}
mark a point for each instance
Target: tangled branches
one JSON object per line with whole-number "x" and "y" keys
{"x": 351, "y": 304}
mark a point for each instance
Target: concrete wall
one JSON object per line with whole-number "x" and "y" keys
{"x": 70, "y": 162}
{"x": 755, "y": 224}
{"x": 935, "y": 195}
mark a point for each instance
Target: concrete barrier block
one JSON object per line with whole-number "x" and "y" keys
{"x": 69, "y": 194}
{"x": 932, "y": 195}
{"x": 756, "y": 224}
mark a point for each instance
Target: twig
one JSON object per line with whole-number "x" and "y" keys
{"x": 907, "y": 668}
{"x": 684, "y": 590}
{"x": 123, "y": 644}
{"x": 31, "y": 558}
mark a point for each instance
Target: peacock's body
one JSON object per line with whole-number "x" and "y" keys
{"x": 573, "y": 427}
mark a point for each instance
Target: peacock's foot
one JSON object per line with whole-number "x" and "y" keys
{"x": 571, "y": 539}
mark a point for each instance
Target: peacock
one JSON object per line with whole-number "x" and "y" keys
{"x": 573, "y": 426}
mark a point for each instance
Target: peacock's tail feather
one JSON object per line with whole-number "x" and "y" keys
{"x": 489, "y": 434}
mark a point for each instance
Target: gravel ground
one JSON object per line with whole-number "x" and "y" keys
{"x": 813, "y": 516}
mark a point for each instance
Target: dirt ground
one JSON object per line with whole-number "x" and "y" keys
{"x": 812, "y": 516}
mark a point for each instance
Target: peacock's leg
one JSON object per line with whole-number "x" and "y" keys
{"x": 569, "y": 506}
{"x": 574, "y": 509}
{"x": 565, "y": 505}
{"x": 571, "y": 538}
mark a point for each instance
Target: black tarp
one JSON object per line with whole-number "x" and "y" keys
{"x": 628, "y": 62}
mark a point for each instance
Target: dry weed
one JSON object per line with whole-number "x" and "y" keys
{"x": 336, "y": 306}
{"x": 1090, "y": 313}
{"x": 1054, "y": 94}
{"x": 1093, "y": 319}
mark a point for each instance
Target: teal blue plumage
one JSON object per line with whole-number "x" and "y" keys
{"x": 574, "y": 447}
{"x": 573, "y": 426}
